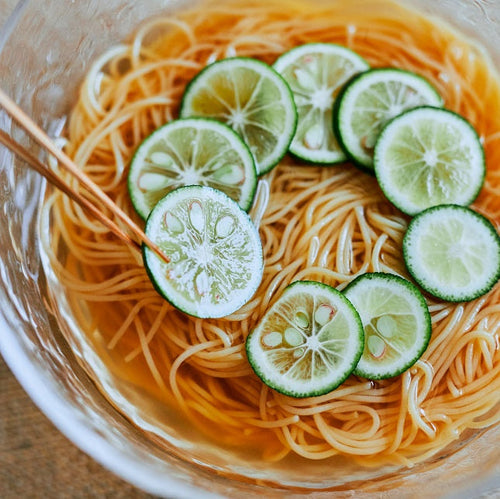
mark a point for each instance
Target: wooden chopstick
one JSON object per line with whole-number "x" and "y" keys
{"x": 41, "y": 138}
{"x": 43, "y": 170}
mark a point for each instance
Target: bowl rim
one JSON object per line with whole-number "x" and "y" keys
{"x": 55, "y": 407}
{"x": 63, "y": 415}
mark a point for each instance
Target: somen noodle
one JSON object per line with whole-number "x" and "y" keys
{"x": 327, "y": 224}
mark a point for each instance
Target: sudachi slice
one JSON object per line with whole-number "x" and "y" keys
{"x": 308, "y": 342}
{"x": 215, "y": 252}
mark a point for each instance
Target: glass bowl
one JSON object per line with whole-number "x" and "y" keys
{"x": 45, "y": 49}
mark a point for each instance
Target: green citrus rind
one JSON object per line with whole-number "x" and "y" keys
{"x": 396, "y": 321}
{"x": 315, "y": 72}
{"x": 452, "y": 252}
{"x": 308, "y": 342}
{"x": 215, "y": 252}
{"x": 371, "y": 99}
{"x": 252, "y": 98}
{"x": 427, "y": 157}
{"x": 193, "y": 151}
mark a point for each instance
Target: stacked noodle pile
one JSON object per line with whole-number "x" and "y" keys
{"x": 328, "y": 224}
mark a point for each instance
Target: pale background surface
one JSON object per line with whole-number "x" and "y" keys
{"x": 36, "y": 460}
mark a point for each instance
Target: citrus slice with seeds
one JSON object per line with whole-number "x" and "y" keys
{"x": 370, "y": 100}
{"x": 191, "y": 152}
{"x": 215, "y": 252}
{"x": 429, "y": 156}
{"x": 316, "y": 72}
{"x": 396, "y": 321}
{"x": 453, "y": 252}
{"x": 308, "y": 342}
{"x": 253, "y": 99}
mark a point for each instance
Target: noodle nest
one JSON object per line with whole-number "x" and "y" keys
{"x": 327, "y": 224}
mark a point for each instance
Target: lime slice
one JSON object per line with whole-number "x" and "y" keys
{"x": 369, "y": 101}
{"x": 452, "y": 252}
{"x": 191, "y": 151}
{"x": 396, "y": 321}
{"x": 308, "y": 342}
{"x": 253, "y": 99}
{"x": 216, "y": 261}
{"x": 429, "y": 156}
{"x": 315, "y": 73}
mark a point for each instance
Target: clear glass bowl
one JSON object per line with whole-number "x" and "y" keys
{"x": 45, "y": 49}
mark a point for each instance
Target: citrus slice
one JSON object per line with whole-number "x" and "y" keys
{"x": 308, "y": 342}
{"x": 191, "y": 151}
{"x": 370, "y": 100}
{"x": 429, "y": 156}
{"x": 253, "y": 99}
{"x": 396, "y": 321}
{"x": 452, "y": 252}
{"x": 316, "y": 72}
{"x": 215, "y": 253}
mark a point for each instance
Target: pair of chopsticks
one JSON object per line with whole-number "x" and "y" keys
{"x": 44, "y": 141}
